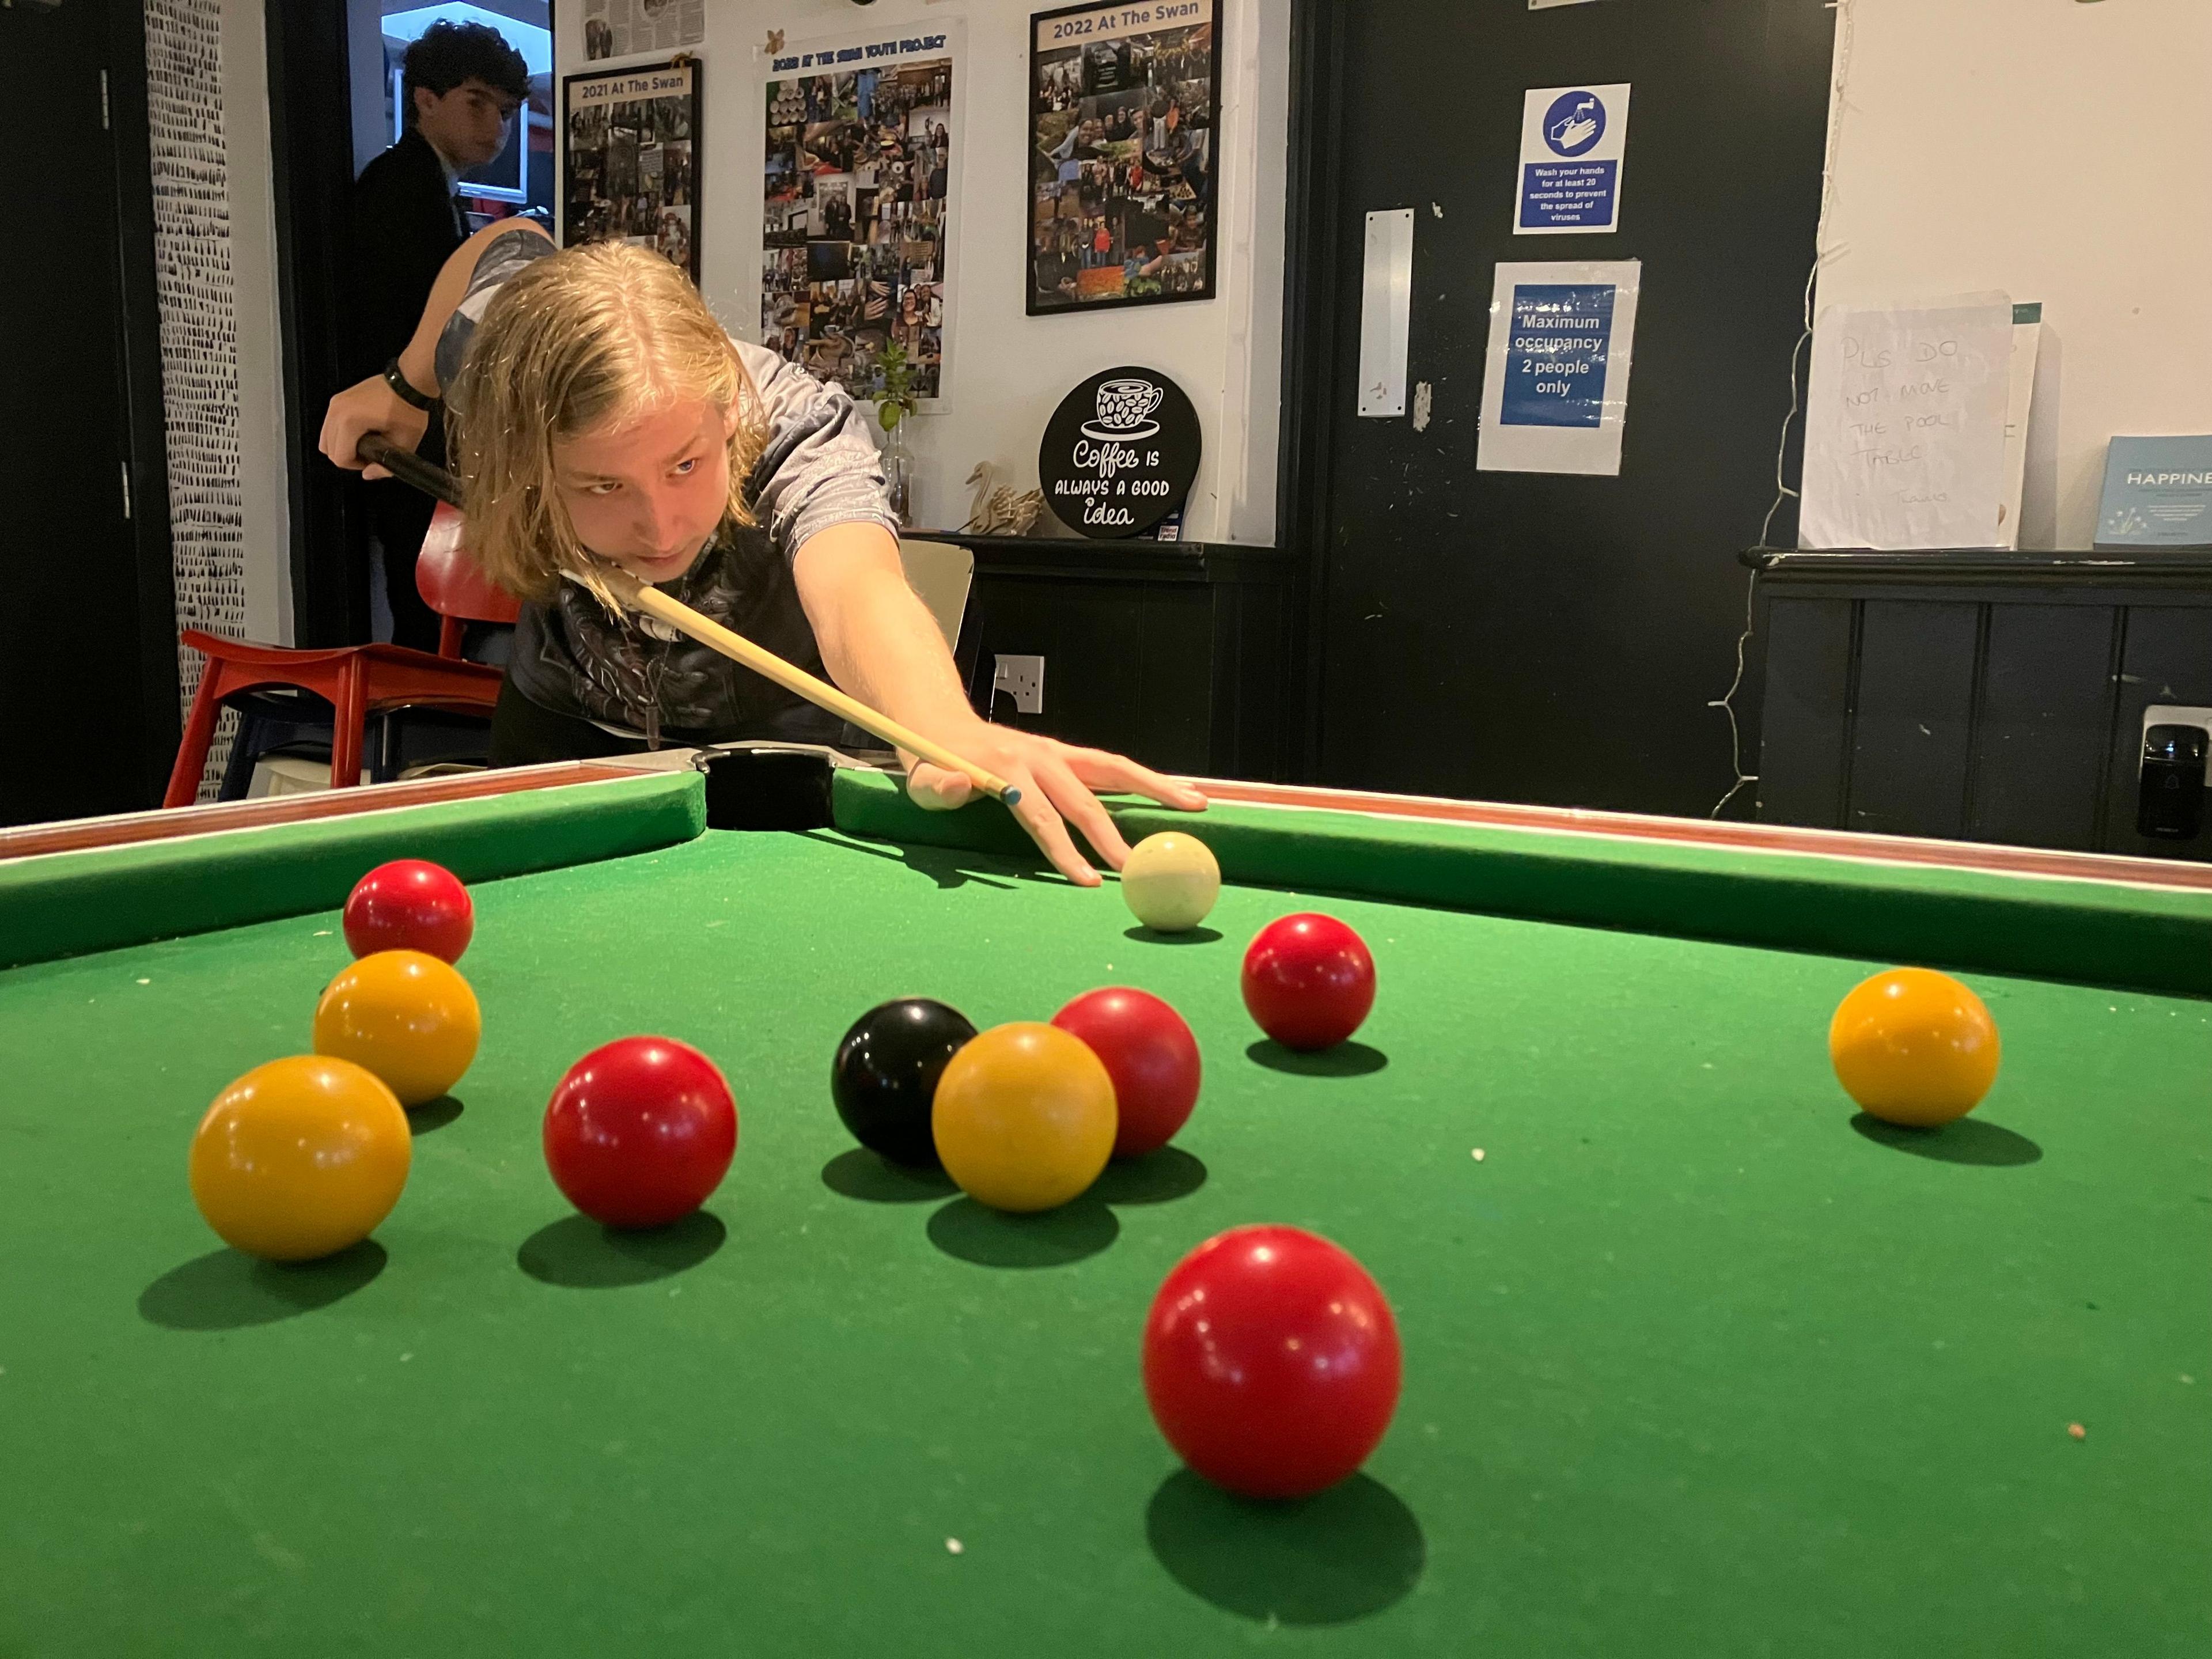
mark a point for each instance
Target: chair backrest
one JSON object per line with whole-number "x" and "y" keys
{"x": 940, "y": 574}
{"x": 451, "y": 582}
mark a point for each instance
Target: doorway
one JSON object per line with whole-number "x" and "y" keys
{"x": 333, "y": 103}
{"x": 1527, "y": 636}
{"x": 88, "y": 646}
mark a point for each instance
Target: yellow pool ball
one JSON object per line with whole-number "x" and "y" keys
{"x": 301, "y": 1159}
{"x": 1023, "y": 1117}
{"x": 407, "y": 1017}
{"x": 1914, "y": 1046}
{"x": 1171, "y": 881}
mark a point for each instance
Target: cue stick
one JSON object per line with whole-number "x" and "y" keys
{"x": 433, "y": 480}
{"x": 409, "y": 468}
{"x": 639, "y": 596}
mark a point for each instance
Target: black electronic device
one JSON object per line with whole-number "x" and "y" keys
{"x": 2170, "y": 801}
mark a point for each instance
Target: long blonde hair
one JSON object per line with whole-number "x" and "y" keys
{"x": 575, "y": 342}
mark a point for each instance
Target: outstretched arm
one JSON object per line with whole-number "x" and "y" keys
{"x": 879, "y": 643}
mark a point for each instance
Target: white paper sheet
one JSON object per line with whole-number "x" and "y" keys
{"x": 2027, "y": 346}
{"x": 621, "y": 28}
{"x": 1904, "y": 428}
{"x": 1555, "y": 385}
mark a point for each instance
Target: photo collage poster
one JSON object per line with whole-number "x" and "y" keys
{"x": 633, "y": 171}
{"x": 858, "y": 206}
{"x": 1122, "y": 158}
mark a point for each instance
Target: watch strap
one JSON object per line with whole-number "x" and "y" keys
{"x": 398, "y": 382}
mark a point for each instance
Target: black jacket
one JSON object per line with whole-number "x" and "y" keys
{"x": 406, "y": 227}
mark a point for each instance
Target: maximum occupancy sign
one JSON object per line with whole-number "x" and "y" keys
{"x": 1119, "y": 453}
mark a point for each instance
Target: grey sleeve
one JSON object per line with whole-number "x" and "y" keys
{"x": 820, "y": 467}
{"x": 502, "y": 258}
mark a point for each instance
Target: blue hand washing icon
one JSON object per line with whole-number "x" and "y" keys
{"x": 1575, "y": 122}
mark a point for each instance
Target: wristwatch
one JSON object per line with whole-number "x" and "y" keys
{"x": 407, "y": 393}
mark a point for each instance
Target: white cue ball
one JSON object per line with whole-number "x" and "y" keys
{"x": 1171, "y": 881}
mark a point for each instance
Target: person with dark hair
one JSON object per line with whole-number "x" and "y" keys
{"x": 462, "y": 86}
{"x": 1058, "y": 265}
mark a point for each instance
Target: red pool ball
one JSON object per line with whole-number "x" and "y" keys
{"x": 410, "y": 904}
{"x": 640, "y": 1131}
{"x": 1271, "y": 1362}
{"x": 1308, "y": 981}
{"x": 1150, "y": 1053}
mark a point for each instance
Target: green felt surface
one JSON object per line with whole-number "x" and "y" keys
{"x": 63, "y": 903}
{"x": 1694, "y": 1366}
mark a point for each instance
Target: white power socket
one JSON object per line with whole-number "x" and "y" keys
{"x": 1021, "y": 678}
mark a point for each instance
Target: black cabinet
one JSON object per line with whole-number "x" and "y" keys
{"x": 1178, "y": 653}
{"x": 1974, "y": 696}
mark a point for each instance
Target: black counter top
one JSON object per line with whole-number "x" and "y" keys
{"x": 1951, "y": 565}
{"x": 1082, "y": 559}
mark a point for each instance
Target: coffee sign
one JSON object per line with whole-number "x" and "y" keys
{"x": 1120, "y": 455}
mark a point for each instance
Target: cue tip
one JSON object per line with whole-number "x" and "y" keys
{"x": 1012, "y": 797}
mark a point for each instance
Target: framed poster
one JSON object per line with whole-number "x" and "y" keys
{"x": 632, "y": 167}
{"x": 859, "y": 194}
{"x": 1122, "y": 159}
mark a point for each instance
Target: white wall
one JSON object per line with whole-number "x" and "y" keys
{"x": 1009, "y": 369}
{"x": 264, "y": 496}
{"x": 2058, "y": 151}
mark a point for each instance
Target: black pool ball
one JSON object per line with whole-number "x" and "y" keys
{"x": 884, "y": 1077}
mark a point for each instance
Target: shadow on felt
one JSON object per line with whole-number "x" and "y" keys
{"x": 875, "y": 1179}
{"x": 1964, "y": 1140}
{"x": 1052, "y": 1238}
{"x": 1159, "y": 1177}
{"x": 1188, "y": 936}
{"x": 226, "y": 1290}
{"x": 1344, "y": 1554}
{"x": 580, "y": 1254}
{"x": 949, "y": 867}
{"x": 1345, "y": 1060}
{"x": 433, "y": 1114}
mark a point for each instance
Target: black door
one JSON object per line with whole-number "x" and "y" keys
{"x": 88, "y": 717}
{"x": 1538, "y": 637}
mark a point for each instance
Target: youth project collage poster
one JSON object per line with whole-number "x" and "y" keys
{"x": 858, "y": 199}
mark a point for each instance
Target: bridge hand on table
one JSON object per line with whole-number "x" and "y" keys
{"x": 1057, "y": 782}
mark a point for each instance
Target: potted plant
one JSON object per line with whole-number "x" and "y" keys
{"x": 897, "y": 400}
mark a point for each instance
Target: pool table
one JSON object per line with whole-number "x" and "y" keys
{"x": 1698, "y": 1361}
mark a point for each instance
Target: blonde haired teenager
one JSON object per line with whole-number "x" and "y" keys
{"x": 599, "y": 411}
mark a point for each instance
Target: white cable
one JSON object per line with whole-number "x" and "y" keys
{"x": 1822, "y": 254}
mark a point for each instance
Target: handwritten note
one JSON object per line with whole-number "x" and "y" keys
{"x": 1904, "y": 429}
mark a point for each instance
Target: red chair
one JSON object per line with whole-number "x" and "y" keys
{"x": 357, "y": 681}
{"x": 454, "y": 585}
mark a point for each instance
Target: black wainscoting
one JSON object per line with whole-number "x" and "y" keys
{"x": 1177, "y": 654}
{"x": 1975, "y": 695}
